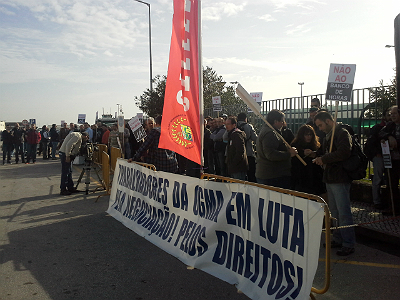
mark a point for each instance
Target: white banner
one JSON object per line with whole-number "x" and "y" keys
{"x": 264, "y": 242}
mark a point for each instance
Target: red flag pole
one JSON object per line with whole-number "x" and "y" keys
{"x": 201, "y": 103}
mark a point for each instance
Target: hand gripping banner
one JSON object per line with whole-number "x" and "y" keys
{"x": 180, "y": 128}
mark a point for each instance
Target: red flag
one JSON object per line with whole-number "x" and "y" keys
{"x": 181, "y": 130}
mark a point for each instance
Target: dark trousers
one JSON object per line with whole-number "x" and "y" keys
{"x": 281, "y": 182}
{"x": 221, "y": 163}
{"x": 7, "y": 149}
{"x": 66, "y": 174}
{"x": 210, "y": 161}
{"x": 19, "y": 150}
{"x": 32, "y": 149}
{"x": 45, "y": 149}
{"x": 251, "y": 172}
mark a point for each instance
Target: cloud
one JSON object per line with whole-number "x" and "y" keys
{"x": 275, "y": 66}
{"x": 302, "y": 28}
{"x": 267, "y": 18}
{"x": 281, "y": 4}
{"x": 5, "y": 11}
{"x": 85, "y": 27}
{"x": 216, "y": 11}
{"x": 108, "y": 53}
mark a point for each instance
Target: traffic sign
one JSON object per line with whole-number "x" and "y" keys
{"x": 24, "y": 122}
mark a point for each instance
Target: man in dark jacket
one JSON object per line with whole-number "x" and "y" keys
{"x": 219, "y": 146}
{"x": 273, "y": 157}
{"x": 236, "y": 156}
{"x": 6, "y": 137}
{"x": 337, "y": 180}
{"x": 251, "y": 137}
{"x": 391, "y": 133}
{"x": 18, "y": 141}
{"x": 373, "y": 150}
{"x": 54, "y": 139}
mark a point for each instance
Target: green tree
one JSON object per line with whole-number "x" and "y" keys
{"x": 381, "y": 98}
{"x": 152, "y": 103}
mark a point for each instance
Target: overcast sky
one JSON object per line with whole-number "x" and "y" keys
{"x": 61, "y": 58}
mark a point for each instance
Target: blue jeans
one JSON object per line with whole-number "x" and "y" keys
{"x": 281, "y": 182}
{"x": 66, "y": 174}
{"x": 53, "y": 149}
{"x": 339, "y": 205}
{"x": 32, "y": 149}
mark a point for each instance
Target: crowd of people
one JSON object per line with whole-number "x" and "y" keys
{"x": 232, "y": 148}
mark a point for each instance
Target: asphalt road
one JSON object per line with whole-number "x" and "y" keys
{"x": 67, "y": 247}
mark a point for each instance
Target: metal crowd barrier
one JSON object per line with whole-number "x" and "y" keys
{"x": 327, "y": 220}
{"x": 115, "y": 153}
{"x": 105, "y": 170}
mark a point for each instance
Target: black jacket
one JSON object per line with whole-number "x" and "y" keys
{"x": 333, "y": 161}
{"x": 236, "y": 156}
{"x": 18, "y": 135}
{"x": 54, "y": 136}
{"x": 6, "y": 137}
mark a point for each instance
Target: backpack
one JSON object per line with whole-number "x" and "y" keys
{"x": 356, "y": 165}
{"x": 241, "y": 127}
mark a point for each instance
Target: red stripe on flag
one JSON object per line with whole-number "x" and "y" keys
{"x": 180, "y": 128}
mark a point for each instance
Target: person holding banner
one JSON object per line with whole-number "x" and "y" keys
{"x": 391, "y": 133}
{"x": 162, "y": 159}
{"x": 338, "y": 182}
{"x": 273, "y": 157}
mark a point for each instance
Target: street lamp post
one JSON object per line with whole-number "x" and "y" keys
{"x": 151, "y": 60}
{"x": 301, "y": 96}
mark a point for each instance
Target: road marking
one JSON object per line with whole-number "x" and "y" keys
{"x": 361, "y": 263}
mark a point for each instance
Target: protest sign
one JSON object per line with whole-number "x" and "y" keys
{"x": 340, "y": 82}
{"x": 81, "y": 118}
{"x": 257, "y": 98}
{"x": 387, "y": 160}
{"x": 216, "y": 101}
{"x": 264, "y": 242}
{"x": 137, "y": 128}
{"x": 121, "y": 124}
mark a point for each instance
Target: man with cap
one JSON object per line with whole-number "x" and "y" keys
{"x": 69, "y": 149}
